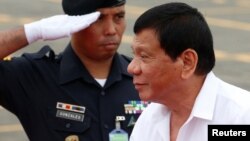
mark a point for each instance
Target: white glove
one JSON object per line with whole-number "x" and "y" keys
{"x": 58, "y": 26}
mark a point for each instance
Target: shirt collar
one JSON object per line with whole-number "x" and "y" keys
{"x": 206, "y": 99}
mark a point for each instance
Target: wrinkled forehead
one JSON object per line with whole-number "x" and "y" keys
{"x": 145, "y": 39}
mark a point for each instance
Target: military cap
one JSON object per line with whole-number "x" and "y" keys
{"x": 81, "y": 7}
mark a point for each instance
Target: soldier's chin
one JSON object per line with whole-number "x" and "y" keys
{"x": 111, "y": 47}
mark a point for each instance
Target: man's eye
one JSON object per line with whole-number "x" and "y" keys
{"x": 143, "y": 56}
{"x": 120, "y": 16}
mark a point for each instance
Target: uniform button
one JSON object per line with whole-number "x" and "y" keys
{"x": 106, "y": 126}
{"x": 103, "y": 93}
{"x": 68, "y": 125}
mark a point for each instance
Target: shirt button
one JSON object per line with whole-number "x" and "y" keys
{"x": 68, "y": 125}
{"x": 106, "y": 126}
{"x": 102, "y": 93}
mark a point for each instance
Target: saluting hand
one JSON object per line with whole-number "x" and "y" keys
{"x": 58, "y": 26}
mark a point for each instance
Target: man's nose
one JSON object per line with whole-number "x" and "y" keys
{"x": 110, "y": 28}
{"x": 134, "y": 67}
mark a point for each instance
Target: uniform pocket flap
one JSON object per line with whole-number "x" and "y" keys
{"x": 67, "y": 121}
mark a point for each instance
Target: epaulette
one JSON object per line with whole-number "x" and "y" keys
{"x": 44, "y": 52}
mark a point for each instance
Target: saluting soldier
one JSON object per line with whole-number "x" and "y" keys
{"x": 81, "y": 93}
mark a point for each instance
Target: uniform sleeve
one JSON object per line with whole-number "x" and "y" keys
{"x": 6, "y": 78}
{"x": 12, "y": 95}
{"x": 17, "y": 77}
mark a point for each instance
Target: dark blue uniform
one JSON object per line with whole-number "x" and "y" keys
{"x": 31, "y": 86}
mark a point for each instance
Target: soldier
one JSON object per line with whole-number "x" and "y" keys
{"x": 79, "y": 94}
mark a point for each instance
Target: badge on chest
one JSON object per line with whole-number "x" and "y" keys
{"x": 69, "y": 111}
{"x": 118, "y": 134}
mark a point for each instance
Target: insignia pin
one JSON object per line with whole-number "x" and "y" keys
{"x": 131, "y": 122}
{"x": 72, "y": 138}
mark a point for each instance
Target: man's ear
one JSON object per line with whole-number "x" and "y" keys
{"x": 190, "y": 60}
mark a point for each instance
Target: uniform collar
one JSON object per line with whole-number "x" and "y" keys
{"x": 118, "y": 69}
{"x": 71, "y": 68}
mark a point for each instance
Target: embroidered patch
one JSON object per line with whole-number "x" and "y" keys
{"x": 70, "y": 115}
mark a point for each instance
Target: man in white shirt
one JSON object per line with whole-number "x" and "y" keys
{"x": 172, "y": 68}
